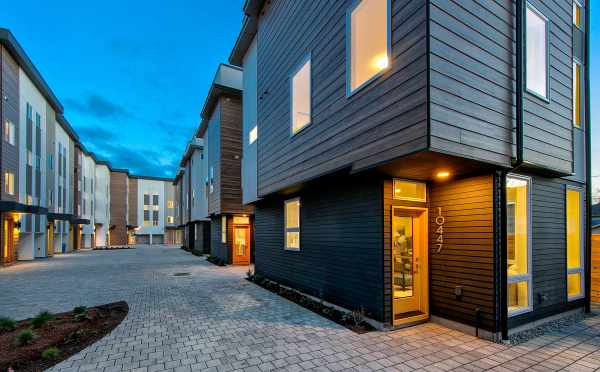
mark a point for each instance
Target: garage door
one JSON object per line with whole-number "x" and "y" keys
{"x": 158, "y": 239}
{"x": 142, "y": 239}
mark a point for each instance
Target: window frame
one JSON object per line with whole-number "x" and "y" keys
{"x": 421, "y": 200}
{"x": 577, "y": 3}
{"x": 306, "y": 59}
{"x": 579, "y": 125}
{"x": 291, "y": 229}
{"x": 349, "y": 91}
{"x": 581, "y": 269}
{"x": 529, "y": 276}
{"x": 548, "y": 25}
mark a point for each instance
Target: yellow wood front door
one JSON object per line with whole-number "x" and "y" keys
{"x": 410, "y": 294}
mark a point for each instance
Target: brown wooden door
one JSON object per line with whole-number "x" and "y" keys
{"x": 241, "y": 245}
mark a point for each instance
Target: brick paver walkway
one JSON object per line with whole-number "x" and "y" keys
{"x": 215, "y": 320}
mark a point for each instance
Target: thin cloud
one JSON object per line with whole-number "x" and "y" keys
{"x": 98, "y": 106}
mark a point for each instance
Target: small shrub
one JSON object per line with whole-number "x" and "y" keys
{"x": 82, "y": 317}
{"x": 79, "y": 310}
{"x": 249, "y": 274}
{"x": 41, "y": 319}
{"x": 358, "y": 316}
{"x": 7, "y": 324}
{"x": 51, "y": 353}
{"x": 25, "y": 337}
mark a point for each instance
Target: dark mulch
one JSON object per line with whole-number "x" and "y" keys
{"x": 353, "y": 321}
{"x": 111, "y": 248}
{"x": 63, "y": 332}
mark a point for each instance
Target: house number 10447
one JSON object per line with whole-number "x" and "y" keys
{"x": 439, "y": 221}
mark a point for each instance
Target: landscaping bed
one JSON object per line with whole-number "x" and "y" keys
{"x": 112, "y": 248}
{"x": 353, "y": 320}
{"x": 47, "y": 339}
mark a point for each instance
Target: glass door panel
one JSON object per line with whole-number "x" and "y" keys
{"x": 403, "y": 256}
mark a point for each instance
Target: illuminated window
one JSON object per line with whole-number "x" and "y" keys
{"x": 576, "y": 94}
{"x": 300, "y": 97}
{"x": 575, "y": 251}
{"x": 252, "y": 135}
{"x": 9, "y": 183}
{"x": 170, "y": 219}
{"x": 368, "y": 42}
{"x": 292, "y": 224}
{"x": 223, "y": 229}
{"x": 537, "y": 52}
{"x": 577, "y": 13}
{"x": 170, "y": 204}
{"x": 519, "y": 253}
{"x": 407, "y": 190}
{"x": 9, "y": 132}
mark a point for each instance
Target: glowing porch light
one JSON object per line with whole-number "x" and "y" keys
{"x": 443, "y": 174}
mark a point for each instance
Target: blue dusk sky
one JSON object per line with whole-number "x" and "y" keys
{"x": 133, "y": 74}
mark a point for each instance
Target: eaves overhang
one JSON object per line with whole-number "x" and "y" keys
{"x": 8, "y": 40}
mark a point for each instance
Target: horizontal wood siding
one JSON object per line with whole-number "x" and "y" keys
{"x": 230, "y": 187}
{"x": 217, "y": 248}
{"x": 472, "y": 78}
{"x": 9, "y": 110}
{"x": 385, "y": 120}
{"x": 214, "y": 159}
{"x": 341, "y": 243}
{"x": 467, "y": 255}
{"x": 548, "y": 127}
{"x": 118, "y": 208}
{"x": 132, "y": 200}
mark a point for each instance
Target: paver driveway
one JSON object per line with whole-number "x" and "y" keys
{"x": 214, "y": 319}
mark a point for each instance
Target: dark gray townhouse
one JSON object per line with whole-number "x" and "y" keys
{"x": 421, "y": 159}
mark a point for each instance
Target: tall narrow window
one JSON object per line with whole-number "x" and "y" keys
{"x": 369, "y": 41}
{"x": 301, "y": 96}
{"x": 576, "y": 94}
{"x": 292, "y": 224}
{"x": 9, "y": 132}
{"x": 519, "y": 254}
{"x": 537, "y": 52}
{"x": 9, "y": 183}
{"x": 577, "y": 14}
{"x": 575, "y": 252}
{"x": 252, "y": 135}
{"x": 223, "y": 229}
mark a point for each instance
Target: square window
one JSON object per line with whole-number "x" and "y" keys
{"x": 518, "y": 296}
{"x": 369, "y": 41}
{"x": 536, "y": 52}
{"x": 408, "y": 190}
{"x": 301, "y": 97}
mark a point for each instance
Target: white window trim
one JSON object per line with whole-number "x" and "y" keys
{"x": 291, "y": 229}
{"x": 545, "y": 98}
{"x": 349, "y": 91}
{"x": 525, "y": 277}
{"x": 297, "y": 68}
{"x": 581, "y": 269}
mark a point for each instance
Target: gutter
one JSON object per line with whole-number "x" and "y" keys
{"x": 516, "y": 164}
{"x": 588, "y": 165}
